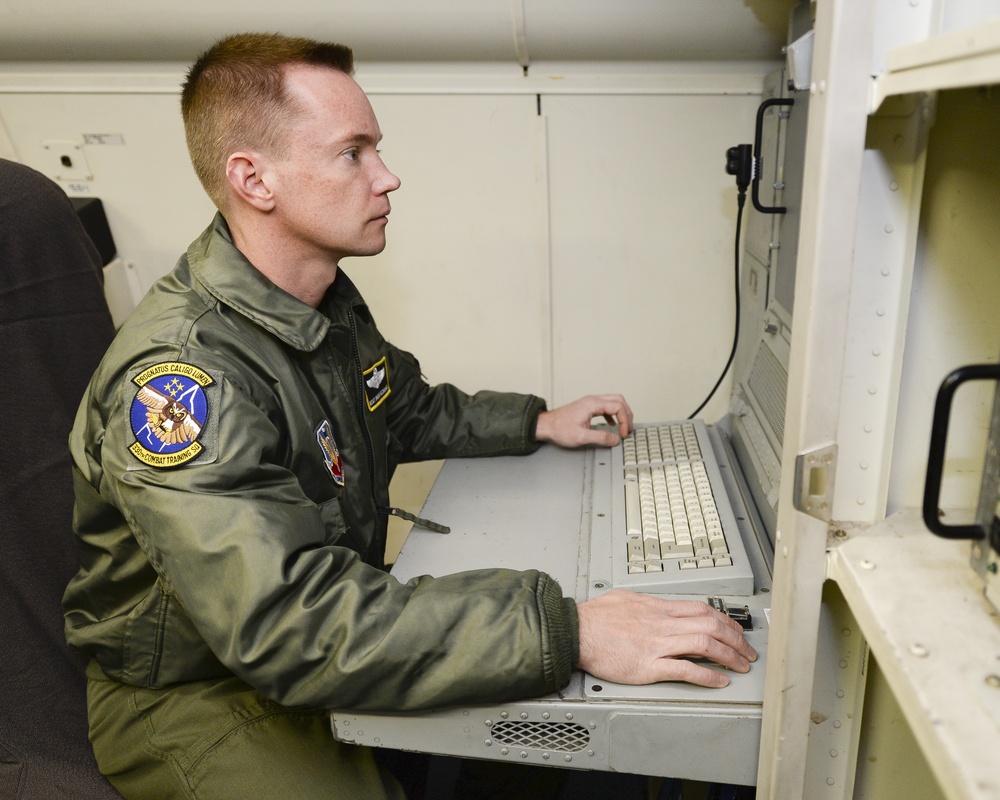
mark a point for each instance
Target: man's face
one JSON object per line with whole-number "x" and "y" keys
{"x": 331, "y": 187}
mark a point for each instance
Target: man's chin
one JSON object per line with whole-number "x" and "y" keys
{"x": 363, "y": 252}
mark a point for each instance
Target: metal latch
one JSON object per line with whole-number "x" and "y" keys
{"x": 814, "y": 473}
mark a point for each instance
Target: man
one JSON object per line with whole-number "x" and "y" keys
{"x": 233, "y": 455}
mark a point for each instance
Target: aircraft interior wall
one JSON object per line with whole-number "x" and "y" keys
{"x": 565, "y": 232}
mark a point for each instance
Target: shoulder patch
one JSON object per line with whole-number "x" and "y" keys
{"x": 377, "y": 383}
{"x": 169, "y": 413}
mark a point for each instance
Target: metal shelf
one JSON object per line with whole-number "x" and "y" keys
{"x": 922, "y": 610}
{"x": 968, "y": 57}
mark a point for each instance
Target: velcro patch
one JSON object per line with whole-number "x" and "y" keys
{"x": 377, "y": 384}
{"x": 331, "y": 453}
{"x": 169, "y": 413}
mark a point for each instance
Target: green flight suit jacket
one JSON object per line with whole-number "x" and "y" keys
{"x": 232, "y": 458}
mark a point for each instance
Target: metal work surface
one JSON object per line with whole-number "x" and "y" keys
{"x": 539, "y": 512}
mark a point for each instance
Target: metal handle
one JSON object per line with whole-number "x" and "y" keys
{"x": 758, "y": 136}
{"x": 935, "y": 459}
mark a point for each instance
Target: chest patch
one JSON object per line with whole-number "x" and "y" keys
{"x": 168, "y": 413}
{"x": 377, "y": 384}
{"x": 331, "y": 455}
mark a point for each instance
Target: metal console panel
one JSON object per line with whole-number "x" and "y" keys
{"x": 539, "y": 512}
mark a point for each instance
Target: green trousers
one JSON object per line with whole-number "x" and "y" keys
{"x": 221, "y": 739}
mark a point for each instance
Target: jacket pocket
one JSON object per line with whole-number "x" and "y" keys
{"x": 143, "y": 640}
{"x": 333, "y": 521}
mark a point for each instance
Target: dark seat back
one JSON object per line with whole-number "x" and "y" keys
{"x": 54, "y": 328}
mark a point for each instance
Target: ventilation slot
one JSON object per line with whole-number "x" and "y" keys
{"x": 769, "y": 383}
{"x": 564, "y": 737}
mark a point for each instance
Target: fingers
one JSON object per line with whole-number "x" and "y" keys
{"x": 615, "y": 410}
{"x": 716, "y": 638}
{"x": 689, "y": 672}
{"x": 598, "y": 437}
{"x": 569, "y": 425}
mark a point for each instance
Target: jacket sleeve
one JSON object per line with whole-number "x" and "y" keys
{"x": 242, "y": 554}
{"x": 444, "y": 422}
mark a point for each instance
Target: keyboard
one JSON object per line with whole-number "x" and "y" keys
{"x": 674, "y": 531}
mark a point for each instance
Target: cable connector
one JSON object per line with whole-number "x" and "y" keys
{"x": 741, "y": 163}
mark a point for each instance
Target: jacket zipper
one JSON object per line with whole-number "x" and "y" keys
{"x": 366, "y": 434}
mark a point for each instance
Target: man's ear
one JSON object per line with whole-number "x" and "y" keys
{"x": 248, "y": 179}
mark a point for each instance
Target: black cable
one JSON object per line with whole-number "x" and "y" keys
{"x": 741, "y": 201}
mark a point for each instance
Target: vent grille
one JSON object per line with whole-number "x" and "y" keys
{"x": 564, "y": 737}
{"x": 769, "y": 383}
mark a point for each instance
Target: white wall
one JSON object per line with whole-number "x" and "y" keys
{"x": 643, "y": 226}
{"x": 523, "y": 247}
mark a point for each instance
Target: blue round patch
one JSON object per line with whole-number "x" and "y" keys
{"x": 168, "y": 413}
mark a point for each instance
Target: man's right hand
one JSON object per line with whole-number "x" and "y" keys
{"x": 633, "y": 638}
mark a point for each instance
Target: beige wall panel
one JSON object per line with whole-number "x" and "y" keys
{"x": 140, "y": 166}
{"x": 462, "y": 282}
{"x": 643, "y": 222}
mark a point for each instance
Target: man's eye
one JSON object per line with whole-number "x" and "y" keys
{"x": 352, "y": 155}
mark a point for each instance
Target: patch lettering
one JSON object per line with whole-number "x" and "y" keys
{"x": 168, "y": 413}
{"x": 377, "y": 384}
{"x": 331, "y": 455}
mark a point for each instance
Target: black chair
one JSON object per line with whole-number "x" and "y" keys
{"x": 54, "y": 328}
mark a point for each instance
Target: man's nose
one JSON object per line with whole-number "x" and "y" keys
{"x": 386, "y": 181}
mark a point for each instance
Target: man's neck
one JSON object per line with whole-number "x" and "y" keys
{"x": 306, "y": 277}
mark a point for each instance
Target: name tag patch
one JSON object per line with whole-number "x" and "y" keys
{"x": 168, "y": 413}
{"x": 377, "y": 384}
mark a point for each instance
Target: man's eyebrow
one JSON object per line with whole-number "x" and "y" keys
{"x": 360, "y": 138}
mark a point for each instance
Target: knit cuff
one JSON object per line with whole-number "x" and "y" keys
{"x": 535, "y": 409}
{"x": 560, "y": 632}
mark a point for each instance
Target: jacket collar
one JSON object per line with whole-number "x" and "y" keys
{"x": 229, "y": 277}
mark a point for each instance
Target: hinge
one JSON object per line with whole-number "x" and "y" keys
{"x": 814, "y": 472}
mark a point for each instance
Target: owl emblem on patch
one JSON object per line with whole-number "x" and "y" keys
{"x": 169, "y": 420}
